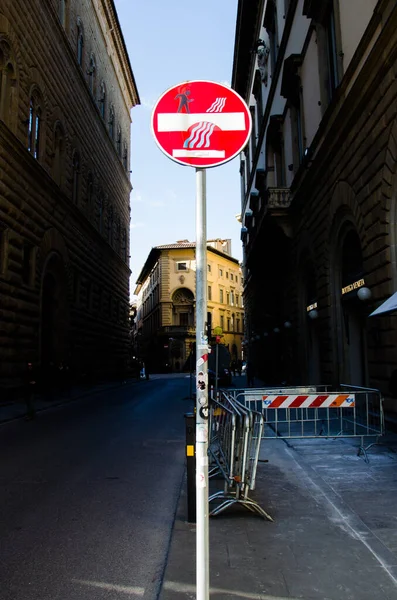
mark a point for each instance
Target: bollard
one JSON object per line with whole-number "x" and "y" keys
{"x": 190, "y": 423}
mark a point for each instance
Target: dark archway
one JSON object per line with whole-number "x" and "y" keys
{"x": 54, "y": 342}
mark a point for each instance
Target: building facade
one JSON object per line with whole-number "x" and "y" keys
{"x": 319, "y": 187}
{"x": 66, "y": 92}
{"x": 166, "y": 290}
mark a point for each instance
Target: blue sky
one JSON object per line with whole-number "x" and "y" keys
{"x": 170, "y": 41}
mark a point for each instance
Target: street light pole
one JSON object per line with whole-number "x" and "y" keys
{"x": 202, "y": 525}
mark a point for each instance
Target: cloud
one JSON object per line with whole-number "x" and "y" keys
{"x": 137, "y": 225}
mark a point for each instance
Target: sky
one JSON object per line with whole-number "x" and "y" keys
{"x": 168, "y": 42}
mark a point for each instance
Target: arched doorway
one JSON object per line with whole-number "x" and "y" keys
{"x": 54, "y": 322}
{"x": 352, "y": 314}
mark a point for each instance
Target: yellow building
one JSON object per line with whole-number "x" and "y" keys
{"x": 166, "y": 288}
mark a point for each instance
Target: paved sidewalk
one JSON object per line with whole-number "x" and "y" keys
{"x": 334, "y": 535}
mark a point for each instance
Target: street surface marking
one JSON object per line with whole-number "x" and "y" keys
{"x": 125, "y": 589}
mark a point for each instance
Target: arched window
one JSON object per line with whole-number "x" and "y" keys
{"x": 90, "y": 191}
{"x": 59, "y": 153}
{"x": 99, "y": 211}
{"x": 124, "y": 244}
{"x": 119, "y": 140}
{"x": 92, "y": 75}
{"x": 34, "y": 133}
{"x": 109, "y": 224}
{"x": 111, "y": 122}
{"x": 125, "y": 157}
{"x": 102, "y": 100}
{"x": 62, "y": 7}
{"x": 76, "y": 177}
{"x": 80, "y": 43}
{"x": 8, "y": 83}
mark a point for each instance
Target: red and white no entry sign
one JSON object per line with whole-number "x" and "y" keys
{"x": 201, "y": 123}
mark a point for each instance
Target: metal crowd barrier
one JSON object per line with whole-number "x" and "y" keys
{"x": 236, "y": 433}
{"x": 318, "y": 411}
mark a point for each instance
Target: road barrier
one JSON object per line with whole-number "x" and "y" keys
{"x": 318, "y": 411}
{"x": 236, "y": 433}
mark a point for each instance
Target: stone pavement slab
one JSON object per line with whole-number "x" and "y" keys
{"x": 334, "y": 534}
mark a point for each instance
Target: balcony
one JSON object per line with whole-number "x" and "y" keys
{"x": 182, "y": 330}
{"x": 278, "y": 202}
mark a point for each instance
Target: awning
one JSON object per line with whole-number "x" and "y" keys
{"x": 388, "y": 306}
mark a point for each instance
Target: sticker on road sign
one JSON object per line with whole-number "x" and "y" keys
{"x": 203, "y": 412}
{"x": 201, "y": 123}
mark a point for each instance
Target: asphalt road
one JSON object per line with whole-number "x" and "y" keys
{"x": 88, "y": 494}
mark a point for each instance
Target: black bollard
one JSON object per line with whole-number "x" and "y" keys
{"x": 190, "y": 423}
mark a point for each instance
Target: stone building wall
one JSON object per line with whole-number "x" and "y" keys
{"x": 64, "y": 245}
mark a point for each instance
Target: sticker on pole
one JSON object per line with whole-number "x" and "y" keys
{"x": 201, "y": 124}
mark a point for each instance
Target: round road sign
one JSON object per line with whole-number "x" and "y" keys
{"x": 201, "y": 123}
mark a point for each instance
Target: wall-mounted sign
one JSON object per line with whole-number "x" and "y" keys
{"x": 311, "y": 307}
{"x": 353, "y": 286}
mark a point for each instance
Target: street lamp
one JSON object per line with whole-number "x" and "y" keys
{"x": 364, "y": 294}
{"x": 313, "y": 314}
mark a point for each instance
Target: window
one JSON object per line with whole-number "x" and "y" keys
{"x": 119, "y": 140}
{"x": 63, "y": 12}
{"x": 227, "y": 275}
{"x": 232, "y": 298}
{"x": 253, "y": 131}
{"x": 228, "y": 324}
{"x": 111, "y": 122}
{"x": 76, "y": 178}
{"x": 222, "y": 319}
{"x": 227, "y": 298}
{"x": 184, "y": 319}
{"x": 99, "y": 211}
{"x": 236, "y": 279}
{"x": 220, "y": 272}
{"x": 231, "y": 277}
{"x": 221, "y": 296}
{"x": 80, "y": 44}
{"x": 209, "y": 268}
{"x": 90, "y": 191}
{"x": 328, "y": 35}
{"x": 8, "y": 85}
{"x": 291, "y": 90}
{"x": 181, "y": 266}
{"x": 270, "y": 24}
{"x": 238, "y": 325}
{"x": 237, "y": 299}
{"x": 59, "y": 153}
{"x": 34, "y": 133}
{"x": 332, "y": 57}
{"x": 124, "y": 244}
{"x": 102, "y": 100}
{"x": 109, "y": 224}
{"x": 92, "y": 75}
{"x": 125, "y": 157}
{"x": 209, "y": 293}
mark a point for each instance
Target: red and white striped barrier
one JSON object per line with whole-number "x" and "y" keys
{"x": 309, "y": 401}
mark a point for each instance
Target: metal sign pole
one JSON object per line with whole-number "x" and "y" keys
{"x": 202, "y": 533}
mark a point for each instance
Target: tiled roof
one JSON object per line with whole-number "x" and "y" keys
{"x": 177, "y": 245}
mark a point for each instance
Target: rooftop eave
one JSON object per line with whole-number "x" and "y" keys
{"x": 119, "y": 43}
{"x": 247, "y": 33}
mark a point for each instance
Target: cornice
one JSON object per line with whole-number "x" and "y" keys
{"x": 116, "y": 33}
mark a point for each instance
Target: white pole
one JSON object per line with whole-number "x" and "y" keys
{"x": 202, "y": 534}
